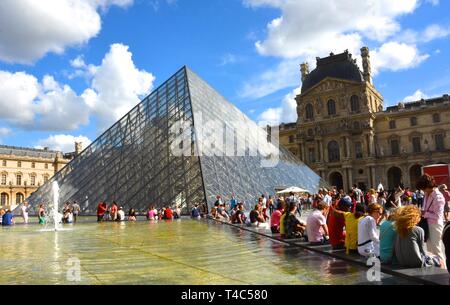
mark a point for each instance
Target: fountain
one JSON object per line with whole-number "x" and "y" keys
{"x": 53, "y": 215}
{"x": 56, "y": 215}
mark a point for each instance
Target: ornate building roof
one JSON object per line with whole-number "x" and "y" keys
{"x": 340, "y": 66}
{"x": 423, "y": 103}
{"x": 28, "y": 152}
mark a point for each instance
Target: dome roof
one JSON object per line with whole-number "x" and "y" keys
{"x": 340, "y": 66}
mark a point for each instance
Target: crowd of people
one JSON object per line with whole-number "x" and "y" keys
{"x": 400, "y": 227}
{"x": 116, "y": 213}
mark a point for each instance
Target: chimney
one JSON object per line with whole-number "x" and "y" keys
{"x": 304, "y": 68}
{"x": 78, "y": 148}
{"x": 367, "y": 69}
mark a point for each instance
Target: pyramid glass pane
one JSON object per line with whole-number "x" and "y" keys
{"x": 183, "y": 144}
{"x": 239, "y": 159}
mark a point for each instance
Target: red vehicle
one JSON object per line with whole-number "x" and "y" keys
{"x": 440, "y": 172}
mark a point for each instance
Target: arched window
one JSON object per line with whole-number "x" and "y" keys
{"x": 4, "y": 199}
{"x": 354, "y": 103}
{"x": 19, "y": 179}
{"x": 45, "y": 178}
{"x": 333, "y": 151}
{"x": 19, "y": 198}
{"x": 331, "y": 106}
{"x": 309, "y": 112}
{"x": 3, "y": 181}
{"x": 33, "y": 180}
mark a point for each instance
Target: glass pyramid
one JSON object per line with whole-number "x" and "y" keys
{"x": 183, "y": 144}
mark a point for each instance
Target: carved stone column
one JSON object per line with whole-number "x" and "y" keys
{"x": 347, "y": 145}
{"x": 302, "y": 151}
{"x": 322, "y": 156}
{"x": 342, "y": 154}
{"x": 345, "y": 179}
{"x": 371, "y": 145}
{"x": 319, "y": 150}
{"x": 350, "y": 178}
{"x": 374, "y": 179}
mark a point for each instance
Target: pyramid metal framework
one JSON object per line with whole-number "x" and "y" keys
{"x": 164, "y": 152}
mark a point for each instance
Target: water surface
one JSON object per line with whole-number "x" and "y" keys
{"x": 167, "y": 252}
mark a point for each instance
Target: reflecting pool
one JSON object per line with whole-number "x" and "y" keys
{"x": 167, "y": 252}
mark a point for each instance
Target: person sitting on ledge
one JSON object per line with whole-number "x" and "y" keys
{"x": 120, "y": 214}
{"x": 256, "y": 216}
{"x": 368, "y": 235}
{"x": 316, "y": 225}
{"x": 101, "y": 210}
{"x": 177, "y": 213}
{"x": 409, "y": 246}
{"x": 168, "y": 213}
{"x": 195, "y": 213}
{"x": 351, "y": 226}
{"x": 388, "y": 235}
{"x": 276, "y": 217}
{"x": 131, "y": 215}
{"x": 8, "y": 218}
{"x": 336, "y": 224}
{"x": 114, "y": 209}
{"x": 152, "y": 213}
{"x": 107, "y": 216}
{"x": 222, "y": 212}
{"x": 239, "y": 216}
{"x": 213, "y": 213}
{"x": 294, "y": 228}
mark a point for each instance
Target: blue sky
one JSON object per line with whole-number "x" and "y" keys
{"x": 69, "y": 69}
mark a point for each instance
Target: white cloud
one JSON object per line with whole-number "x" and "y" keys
{"x": 431, "y": 32}
{"x": 285, "y": 74}
{"x": 4, "y": 131}
{"x": 433, "y": 2}
{"x": 30, "y": 29}
{"x": 434, "y": 31}
{"x": 17, "y": 92}
{"x": 286, "y": 113}
{"x": 45, "y": 105}
{"x": 416, "y": 96}
{"x": 117, "y": 86}
{"x": 301, "y": 34}
{"x": 396, "y": 56}
{"x": 59, "y": 107}
{"x": 229, "y": 59}
{"x": 63, "y": 142}
{"x": 315, "y": 27}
